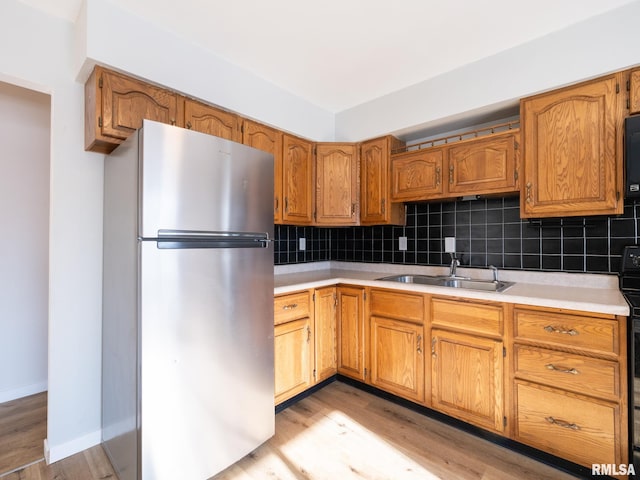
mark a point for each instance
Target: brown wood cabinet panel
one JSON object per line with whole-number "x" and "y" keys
{"x": 467, "y": 378}
{"x": 337, "y": 184}
{"x": 291, "y": 306}
{"x": 269, "y": 140}
{"x": 567, "y": 331}
{"x": 484, "y": 166}
{"x": 325, "y": 301}
{"x": 403, "y": 306}
{"x": 634, "y": 91}
{"x": 293, "y": 358}
{"x": 572, "y": 150}
{"x": 468, "y": 316}
{"x": 568, "y": 371}
{"x": 397, "y": 359}
{"x": 417, "y": 175}
{"x": 213, "y": 121}
{"x": 376, "y": 207}
{"x": 573, "y": 427}
{"x": 351, "y": 332}
{"x": 297, "y": 180}
{"x": 115, "y": 106}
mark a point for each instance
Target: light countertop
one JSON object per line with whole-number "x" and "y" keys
{"x": 575, "y": 291}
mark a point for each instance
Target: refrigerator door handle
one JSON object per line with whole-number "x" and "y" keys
{"x": 180, "y": 239}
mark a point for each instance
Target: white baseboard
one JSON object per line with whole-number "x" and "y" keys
{"x": 22, "y": 391}
{"x": 53, "y": 453}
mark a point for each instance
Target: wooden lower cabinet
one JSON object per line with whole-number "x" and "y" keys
{"x": 574, "y": 427}
{"x": 293, "y": 358}
{"x": 569, "y": 384}
{"x": 467, "y": 375}
{"x": 325, "y": 301}
{"x": 397, "y": 357}
{"x": 350, "y": 324}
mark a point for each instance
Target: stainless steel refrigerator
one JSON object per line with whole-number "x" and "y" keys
{"x": 188, "y": 379}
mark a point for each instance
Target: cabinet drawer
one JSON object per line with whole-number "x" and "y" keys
{"x": 463, "y": 315}
{"x": 565, "y": 425}
{"x": 568, "y": 371}
{"x": 403, "y": 306}
{"x": 598, "y": 335}
{"x": 292, "y": 306}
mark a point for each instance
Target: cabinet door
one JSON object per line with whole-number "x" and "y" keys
{"x": 572, "y": 156}
{"x": 351, "y": 333}
{"x": 375, "y": 193}
{"x": 325, "y": 345}
{"x": 120, "y": 104}
{"x": 397, "y": 360}
{"x": 634, "y": 91}
{"x": 417, "y": 175}
{"x": 297, "y": 180}
{"x": 336, "y": 184}
{"x": 293, "y": 358}
{"x": 467, "y": 378}
{"x": 213, "y": 121}
{"x": 484, "y": 166}
{"x": 269, "y": 140}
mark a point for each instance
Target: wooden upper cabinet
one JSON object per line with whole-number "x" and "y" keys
{"x": 484, "y": 166}
{"x": 269, "y": 140}
{"x": 572, "y": 150}
{"x": 297, "y": 180}
{"x": 337, "y": 184}
{"x": 213, "y": 121}
{"x": 115, "y": 106}
{"x": 417, "y": 175}
{"x": 634, "y": 91}
{"x": 375, "y": 191}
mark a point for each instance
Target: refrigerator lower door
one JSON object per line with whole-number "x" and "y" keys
{"x": 206, "y": 358}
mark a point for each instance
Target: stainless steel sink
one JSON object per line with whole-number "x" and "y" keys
{"x": 453, "y": 282}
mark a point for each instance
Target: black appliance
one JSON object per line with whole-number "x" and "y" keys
{"x": 632, "y": 156}
{"x": 630, "y": 287}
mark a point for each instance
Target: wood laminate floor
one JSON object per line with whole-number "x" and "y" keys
{"x": 343, "y": 433}
{"x": 23, "y": 428}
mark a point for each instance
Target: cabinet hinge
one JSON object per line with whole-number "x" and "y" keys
{"x": 100, "y": 82}
{"x": 100, "y": 121}
{"x": 315, "y": 215}
{"x": 313, "y": 297}
{"x": 335, "y": 300}
{"x": 504, "y": 421}
{"x": 242, "y": 128}
{"x": 515, "y": 175}
{"x": 618, "y": 196}
{"x": 365, "y": 373}
{"x": 516, "y": 145}
{"x": 364, "y": 296}
{"x": 504, "y": 352}
{"x": 314, "y": 373}
{"x": 617, "y": 88}
{"x": 628, "y": 85}
{"x": 628, "y": 104}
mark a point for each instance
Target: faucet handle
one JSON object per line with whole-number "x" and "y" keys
{"x": 495, "y": 272}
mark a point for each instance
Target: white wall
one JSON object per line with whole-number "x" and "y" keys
{"x": 24, "y": 246}
{"x": 588, "y": 49}
{"x": 35, "y": 52}
{"x": 118, "y": 39}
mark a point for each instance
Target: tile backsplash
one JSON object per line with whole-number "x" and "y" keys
{"x": 487, "y": 231}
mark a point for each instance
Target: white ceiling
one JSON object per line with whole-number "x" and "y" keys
{"x": 340, "y": 53}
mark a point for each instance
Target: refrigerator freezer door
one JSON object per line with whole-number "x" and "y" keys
{"x": 206, "y": 358}
{"x": 193, "y": 181}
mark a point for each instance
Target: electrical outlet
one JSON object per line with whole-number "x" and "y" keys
{"x": 303, "y": 243}
{"x": 402, "y": 243}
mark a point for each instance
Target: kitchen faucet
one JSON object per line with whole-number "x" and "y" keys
{"x": 454, "y": 264}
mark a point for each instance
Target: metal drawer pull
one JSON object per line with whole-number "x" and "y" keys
{"x": 551, "y": 329}
{"x": 572, "y": 371}
{"x": 291, "y": 306}
{"x": 562, "y": 423}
